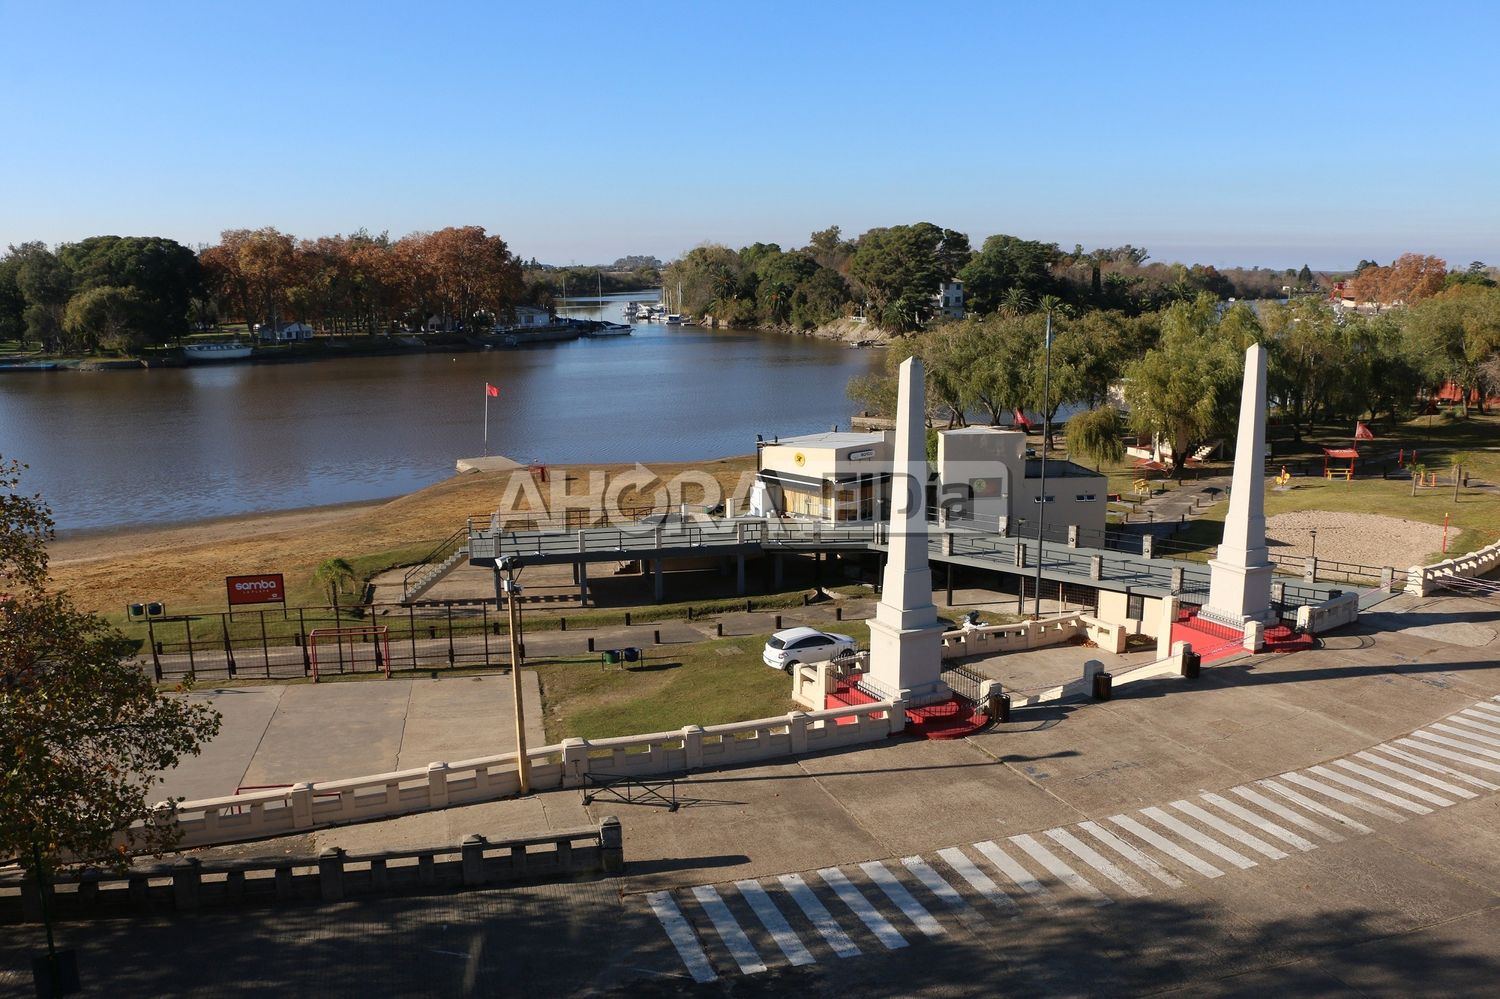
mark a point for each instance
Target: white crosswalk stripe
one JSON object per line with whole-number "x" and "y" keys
{"x": 861, "y": 907}
{"x": 897, "y": 893}
{"x": 774, "y": 922}
{"x": 1097, "y": 861}
{"x": 934, "y": 882}
{"x": 1332, "y": 792}
{"x": 1467, "y": 747}
{"x": 1279, "y": 810}
{"x": 1399, "y": 785}
{"x": 1263, "y": 824}
{"x": 1197, "y": 838}
{"x": 1131, "y": 854}
{"x": 1166, "y": 846}
{"x": 1363, "y": 787}
{"x": 1432, "y": 750}
{"x": 1464, "y": 733}
{"x": 1487, "y": 709}
{"x": 1317, "y": 807}
{"x": 1007, "y": 865}
{"x": 739, "y": 946}
{"x": 812, "y": 907}
{"x": 1229, "y": 829}
{"x": 1478, "y": 724}
{"x": 684, "y": 940}
{"x": 979, "y": 881}
{"x": 1428, "y": 763}
{"x": 1060, "y": 870}
{"x": 1416, "y": 775}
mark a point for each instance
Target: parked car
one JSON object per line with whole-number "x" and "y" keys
{"x": 795, "y": 646}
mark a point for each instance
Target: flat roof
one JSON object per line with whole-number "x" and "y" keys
{"x": 831, "y": 439}
{"x": 1059, "y": 468}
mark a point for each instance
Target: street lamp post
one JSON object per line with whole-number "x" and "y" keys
{"x": 506, "y": 584}
{"x": 1041, "y": 500}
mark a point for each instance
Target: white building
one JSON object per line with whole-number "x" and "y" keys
{"x": 985, "y": 480}
{"x": 284, "y": 332}
{"x": 949, "y": 299}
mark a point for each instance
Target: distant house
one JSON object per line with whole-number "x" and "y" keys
{"x": 284, "y": 332}
{"x": 949, "y": 299}
{"x": 527, "y": 316}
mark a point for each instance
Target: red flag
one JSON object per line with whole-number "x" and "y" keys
{"x": 1021, "y": 420}
{"x": 490, "y": 390}
{"x": 1362, "y": 432}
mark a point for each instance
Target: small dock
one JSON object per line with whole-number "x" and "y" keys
{"x": 488, "y": 463}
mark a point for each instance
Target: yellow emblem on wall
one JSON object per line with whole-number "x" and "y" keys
{"x": 800, "y": 459}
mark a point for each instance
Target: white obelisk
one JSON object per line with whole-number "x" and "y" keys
{"x": 906, "y": 659}
{"x": 1239, "y": 588}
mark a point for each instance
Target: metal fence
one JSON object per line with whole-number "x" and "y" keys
{"x": 275, "y": 643}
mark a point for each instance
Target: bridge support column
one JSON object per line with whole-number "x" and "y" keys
{"x": 739, "y": 574}
{"x": 657, "y": 586}
{"x": 581, "y": 570}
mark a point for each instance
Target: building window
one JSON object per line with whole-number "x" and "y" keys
{"x": 1135, "y": 606}
{"x": 1085, "y": 497}
{"x": 1044, "y": 499}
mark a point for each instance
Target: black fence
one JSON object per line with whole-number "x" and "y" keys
{"x": 282, "y": 643}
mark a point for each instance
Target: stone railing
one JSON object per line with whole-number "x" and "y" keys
{"x": 1424, "y": 580}
{"x": 334, "y": 874}
{"x": 305, "y": 806}
{"x": 1318, "y": 619}
{"x": 1085, "y": 686}
{"x": 988, "y": 639}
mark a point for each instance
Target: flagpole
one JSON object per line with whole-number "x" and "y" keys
{"x": 486, "y": 420}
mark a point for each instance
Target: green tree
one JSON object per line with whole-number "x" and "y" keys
{"x": 46, "y": 285}
{"x": 1305, "y": 277}
{"x": 1008, "y": 270}
{"x": 106, "y": 316}
{"x": 163, "y": 274}
{"x": 1183, "y": 390}
{"x": 1095, "y": 433}
{"x": 83, "y": 731}
{"x": 337, "y": 575}
{"x": 902, "y": 267}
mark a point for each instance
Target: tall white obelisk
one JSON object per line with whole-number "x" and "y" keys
{"x": 1239, "y": 588}
{"x": 906, "y": 655}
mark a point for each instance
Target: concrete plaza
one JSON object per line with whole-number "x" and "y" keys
{"x": 948, "y": 869}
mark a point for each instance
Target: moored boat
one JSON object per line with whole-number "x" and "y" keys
{"x": 28, "y": 366}
{"x": 208, "y": 353}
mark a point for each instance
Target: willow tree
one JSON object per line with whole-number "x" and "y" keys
{"x": 83, "y": 731}
{"x": 1095, "y": 433}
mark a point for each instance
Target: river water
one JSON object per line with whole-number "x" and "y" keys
{"x": 115, "y": 448}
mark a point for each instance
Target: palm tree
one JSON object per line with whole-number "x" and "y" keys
{"x": 338, "y": 576}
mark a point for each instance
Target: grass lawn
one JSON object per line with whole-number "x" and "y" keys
{"x": 707, "y": 683}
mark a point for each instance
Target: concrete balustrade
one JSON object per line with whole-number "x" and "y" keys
{"x": 190, "y": 884}
{"x": 304, "y": 806}
{"x": 1424, "y": 580}
{"x": 1317, "y": 619}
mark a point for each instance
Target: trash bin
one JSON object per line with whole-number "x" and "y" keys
{"x": 1103, "y": 686}
{"x": 1192, "y": 664}
{"x": 631, "y": 655}
{"x": 612, "y": 656}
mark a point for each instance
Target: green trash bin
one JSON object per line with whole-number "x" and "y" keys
{"x": 612, "y": 657}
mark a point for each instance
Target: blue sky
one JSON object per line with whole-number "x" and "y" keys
{"x": 1272, "y": 134}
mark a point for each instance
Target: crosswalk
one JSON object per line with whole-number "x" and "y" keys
{"x": 839, "y": 913}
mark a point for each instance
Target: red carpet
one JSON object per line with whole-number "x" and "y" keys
{"x": 1213, "y": 641}
{"x": 951, "y": 719}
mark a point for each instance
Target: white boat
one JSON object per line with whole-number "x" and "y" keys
{"x": 609, "y": 329}
{"x": 200, "y": 353}
{"x": 673, "y": 319}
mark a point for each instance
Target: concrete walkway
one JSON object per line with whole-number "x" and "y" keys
{"x": 282, "y": 734}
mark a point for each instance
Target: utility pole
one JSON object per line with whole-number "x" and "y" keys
{"x": 512, "y": 590}
{"x": 1041, "y": 500}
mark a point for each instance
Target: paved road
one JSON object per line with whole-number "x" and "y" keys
{"x": 1325, "y": 823}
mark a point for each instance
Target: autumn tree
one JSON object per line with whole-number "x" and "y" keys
{"x": 83, "y": 731}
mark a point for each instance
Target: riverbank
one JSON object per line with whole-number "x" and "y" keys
{"x": 184, "y": 565}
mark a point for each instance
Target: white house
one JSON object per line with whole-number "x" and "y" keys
{"x": 949, "y": 299}
{"x": 284, "y": 332}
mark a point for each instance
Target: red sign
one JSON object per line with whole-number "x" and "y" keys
{"x": 268, "y": 588}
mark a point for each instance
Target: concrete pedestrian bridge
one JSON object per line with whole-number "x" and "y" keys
{"x": 1075, "y": 558}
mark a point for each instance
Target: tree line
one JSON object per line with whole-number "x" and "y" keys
{"x": 123, "y": 293}
{"x": 1179, "y": 367}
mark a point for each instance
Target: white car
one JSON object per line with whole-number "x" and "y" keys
{"x": 795, "y": 646}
